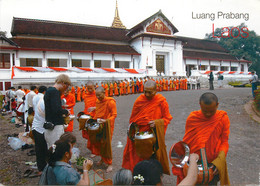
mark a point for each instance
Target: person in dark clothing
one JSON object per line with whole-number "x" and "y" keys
{"x": 211, "y": 79}
{"x": 54, "y": 113}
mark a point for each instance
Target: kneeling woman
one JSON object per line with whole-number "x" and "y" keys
{"x": 59, "y": 155}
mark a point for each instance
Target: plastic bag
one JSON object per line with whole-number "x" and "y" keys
{"x": 75, "y": 154}
{"x": 15, "y": 143}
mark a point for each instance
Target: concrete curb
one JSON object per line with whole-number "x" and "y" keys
{"x": 249, "y": 108}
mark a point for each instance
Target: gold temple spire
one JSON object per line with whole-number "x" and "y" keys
{"x": 117, "y": 22}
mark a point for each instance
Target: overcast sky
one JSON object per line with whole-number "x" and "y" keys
{"x": 132, "y": 12}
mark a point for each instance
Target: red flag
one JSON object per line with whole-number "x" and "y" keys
{"x": 12, "y": 75}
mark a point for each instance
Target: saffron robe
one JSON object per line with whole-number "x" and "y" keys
{"x": 106, "y": 89}
{"x": 141, "y": 86}
{"x": 90, "y": 101}
{"x": 128, "y": 87}
{"x": 105, "y": 109}
{"x": 144, "y": 111}
{"x": 78, "y": 94}
{"x": 121, "y": 88}
{"x": 111, "y": 90}
{"x": 83, "y": 93}
{"x": 211, "y": 133}
{"x": 70, "y": 101}
{"x": 116, "y": 89}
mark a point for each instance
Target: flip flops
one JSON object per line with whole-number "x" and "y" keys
{"x": 35, "y": 174}
{"x": 31, "y": 153}
{"x": 27, "y": 173}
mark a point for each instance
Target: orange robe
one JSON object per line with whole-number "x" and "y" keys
{"x": 83, "y": 93}
{"x": 70, "y": 101}
{"x": 133, "y": 86}
{"x": 141, "y": 86}
{"x": 185, "y": 84}
{"x": 121, "y": 89}
{"x": 143, "y": 111}
{"x": 78, "y": 94}
{"x": 106, "y": 89}
{"x": 166, "y": 85}
{"x": 171, "y": 87}
{"x": 161, "y": 85}
{"x": 116, "y": 89}
{"x": 105, "y": 109}
{"x": 137, "y": 86}
{"x": 211, "y": 133}
{"x": 128, "y": 87}
{"x": 90, "y": 101}
{"x": 177, "y": 84}
{"x": 72, "y": 90}
{"x": 111, "y": 90}
{"x": 124, "y": 87}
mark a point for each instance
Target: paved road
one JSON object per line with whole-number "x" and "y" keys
{"x": 244, "y": 152}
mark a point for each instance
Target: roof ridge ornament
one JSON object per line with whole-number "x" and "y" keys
{"x": 117, "y": 23}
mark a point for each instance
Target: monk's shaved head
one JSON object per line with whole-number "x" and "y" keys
{"x": 150, "y": 84}
{"x": 208, "y": 98}
{"x": 100, "y": 89}
{"x": 90, "y": 83}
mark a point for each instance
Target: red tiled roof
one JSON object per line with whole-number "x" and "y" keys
{"x": 201, "y": 44}
{"x": 56, "y": 45}
{"x": 22, "y": 26}
{"x": 209, "y": 55}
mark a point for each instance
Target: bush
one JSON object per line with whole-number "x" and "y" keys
{"x": 234, "y": 83}
{"x": 257, "y": 99}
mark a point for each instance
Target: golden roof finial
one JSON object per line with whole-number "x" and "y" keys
{"x": 117, "y": 22}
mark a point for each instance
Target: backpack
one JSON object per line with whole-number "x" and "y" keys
{"x": 221, "y": 77}
{"x": 48, "y": 176}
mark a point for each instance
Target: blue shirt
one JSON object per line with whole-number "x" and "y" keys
{"x": 65, "y": 174}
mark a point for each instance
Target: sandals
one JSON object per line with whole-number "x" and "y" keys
{"x": 27, "y": 173}
{"x": 31, "y": 153}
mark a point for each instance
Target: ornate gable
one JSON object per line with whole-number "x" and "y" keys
{"x": 157, "y": 24}
{"x": 158, "y": 27}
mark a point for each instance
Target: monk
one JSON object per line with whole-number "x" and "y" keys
{"x": 116, "y": 89}
{"x": 106, "y": 114}
{"x": 78, "y": 94}
{"x": 133, "y": 86}
{"x": 124, "y": 86}
{"x": 150, "y": 110}
{"x": 90, "y": 106}
{"x": 83, "y": 93}
{"x": 141, "y": 85}
{"x": 111, "y": 89}
{"x": 121, "y": 88}
{"x": 106, "y": 89}
{"x": 208, "y": 128}
{"x": 128, "y": 87}
{"x": 70, "y": 103}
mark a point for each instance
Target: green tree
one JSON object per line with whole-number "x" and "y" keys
{"x": 242, "y": 45}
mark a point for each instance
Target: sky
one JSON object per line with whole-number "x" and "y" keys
{"x": 193, "y": 18}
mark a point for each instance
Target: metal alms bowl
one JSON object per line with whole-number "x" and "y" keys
{"x": 85, "y": 117}
{"x": 179, "y": 154}
{"x": 92, "y": 124}
{"x": 71, "y": 117}
{"x": 144, "y": 135}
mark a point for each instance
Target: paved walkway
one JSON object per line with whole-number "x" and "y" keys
{"x": 243, "y": 157}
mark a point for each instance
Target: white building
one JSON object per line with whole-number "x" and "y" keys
{"x": 39, "y": 50}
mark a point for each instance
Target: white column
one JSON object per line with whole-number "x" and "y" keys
{"x": 131, "y": 62}
{"x": 69, "y": 62}
{"x": 17, "y": 59}
{"x": 112, "y": 63}
{"x": 92, "y": 61}
{"x": 11, "y": 60}
{"x": 44, "y": 60}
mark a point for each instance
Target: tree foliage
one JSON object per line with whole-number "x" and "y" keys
{"x": 247, "y": 48}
